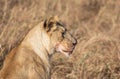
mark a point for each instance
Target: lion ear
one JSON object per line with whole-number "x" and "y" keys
{"x": 49, "y": 23}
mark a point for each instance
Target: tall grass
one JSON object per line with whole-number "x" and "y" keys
{"x": 94, "y": 23}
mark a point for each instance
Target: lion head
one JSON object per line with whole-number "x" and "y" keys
{"x": 60, "y": 39}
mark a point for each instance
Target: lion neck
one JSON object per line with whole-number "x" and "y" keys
{"x": 39, "y": 42}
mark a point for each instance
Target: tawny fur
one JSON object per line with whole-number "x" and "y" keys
{"x": 30, "y": 60}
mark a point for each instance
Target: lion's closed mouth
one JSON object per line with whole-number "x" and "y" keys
{"x": 67, "y": 50}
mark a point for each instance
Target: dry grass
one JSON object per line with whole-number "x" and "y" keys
{"x": 95, "y": 24}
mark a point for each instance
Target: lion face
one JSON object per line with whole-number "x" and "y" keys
{"x": 61, "y": 40}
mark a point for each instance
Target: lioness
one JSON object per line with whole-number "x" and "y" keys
{"x": 30, "y": 60}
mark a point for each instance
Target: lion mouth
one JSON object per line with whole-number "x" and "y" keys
{"x": 64, "y": 50}
{"x": 68, "y": 51}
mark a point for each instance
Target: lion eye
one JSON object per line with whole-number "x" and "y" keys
{"x": 63, "y": 33}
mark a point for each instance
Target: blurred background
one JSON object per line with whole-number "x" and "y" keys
{"x": 94, "y": 23}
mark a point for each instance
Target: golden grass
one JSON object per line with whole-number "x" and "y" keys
{"x": 95, "y": 24}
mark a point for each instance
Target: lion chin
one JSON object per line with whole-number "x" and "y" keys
{"x": 31, "y": 59}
